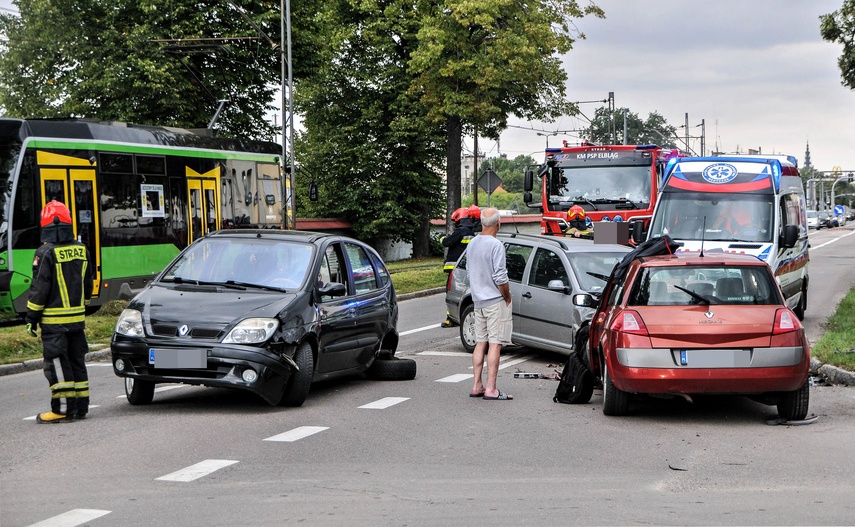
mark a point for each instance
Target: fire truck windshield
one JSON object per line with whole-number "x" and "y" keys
{"x": 597, "y": 186}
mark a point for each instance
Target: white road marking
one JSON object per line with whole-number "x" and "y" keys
{"x": 445, "y": 353}
{"x": 384, "y": 403}
{"x": 99, "y": 364}
{"x": 457, "y": 377}
{"x": 829, "y": 242}
{"x": 33, "y": 418}
{"x": 161, "y": 389}
{"x": 504, "y": 365}
{"x": 411, "y": 331}
{"x": 193, "y": 472}
{"x": 72, "y": 518}
{"x": 297, "y": 433}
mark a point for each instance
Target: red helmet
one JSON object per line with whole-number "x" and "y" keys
{"x": 55, "y": 211}
{"x": 576, "y": 213}
{"x": 474, "y": 212}
{"x": 459, "y": 214}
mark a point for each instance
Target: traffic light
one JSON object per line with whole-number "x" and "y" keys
{"x": 851, "y": 176}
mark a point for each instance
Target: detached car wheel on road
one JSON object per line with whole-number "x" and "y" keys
{"x": 690, "y": 324}
{"x": 264, "y": 311}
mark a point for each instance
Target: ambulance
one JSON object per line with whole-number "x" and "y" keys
{"x": 739, "y": 204}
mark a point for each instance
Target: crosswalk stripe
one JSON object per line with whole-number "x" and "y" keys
{"x": 384, "y": 403}
{"x": 72, "y": 518}
{"x": 193, "y": 472}
{"x": 297, "y": 433}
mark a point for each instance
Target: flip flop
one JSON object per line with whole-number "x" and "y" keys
{"x": 501, "y": 397}
{"x": 476, "y": 394}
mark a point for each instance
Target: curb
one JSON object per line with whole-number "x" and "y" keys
{"x": 419, "y": 294}
{"x": 38, "y": 364}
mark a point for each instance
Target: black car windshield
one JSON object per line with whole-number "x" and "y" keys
{"x": 670, "y": 286}
{"x": 598, "y": 263}
{"x": 243, "y": 261}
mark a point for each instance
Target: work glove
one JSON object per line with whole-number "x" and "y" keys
{"x": 31, "y": 329}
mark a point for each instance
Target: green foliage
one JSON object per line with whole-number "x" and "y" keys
{"x": 653, "y": 130}
{"x": 478, "y": 62}
{"x": 839, "y": 27}
{"x": 837, "y": 344}
{"x": 376, "y": 159}
{"x": 142, "y": 61}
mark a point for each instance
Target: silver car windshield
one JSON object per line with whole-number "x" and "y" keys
{"x": 588, "y": 266}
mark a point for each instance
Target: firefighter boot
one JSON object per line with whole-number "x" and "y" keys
{"x": 52, "y": 417}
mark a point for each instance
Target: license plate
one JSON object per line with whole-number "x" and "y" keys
{"x": 178, "y": 358}
{"x": 715, "y": 358}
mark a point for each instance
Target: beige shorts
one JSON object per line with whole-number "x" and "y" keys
{"x": 494, "y": 323}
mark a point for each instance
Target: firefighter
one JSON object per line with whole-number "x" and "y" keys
{"x": 578, "y": 223}
{"x": 60, "y": 291}
{"x": 466, "y": 220}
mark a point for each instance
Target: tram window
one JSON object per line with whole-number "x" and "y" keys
{"x": 151, "y": 165}
{"x": 117, "y": 163}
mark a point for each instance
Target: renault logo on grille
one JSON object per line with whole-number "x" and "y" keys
{"x": 709, "y": 314}
{"x": 183, "y": 330}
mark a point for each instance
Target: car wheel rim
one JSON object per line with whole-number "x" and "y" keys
{"x": 469, "y": 329}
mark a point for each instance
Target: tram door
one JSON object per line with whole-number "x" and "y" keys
{"x": 75, "y": 186}
{"x": 204, "y": 202}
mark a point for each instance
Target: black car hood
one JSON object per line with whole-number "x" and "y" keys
{"x": 208, "y": 305}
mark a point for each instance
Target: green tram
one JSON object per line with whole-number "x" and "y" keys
{"x": 137, "y": 194}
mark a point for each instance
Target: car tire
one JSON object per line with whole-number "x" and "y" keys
{"x": 139, "y": 392}
{"x": 392, "y": 369}
{"x": 297, "y": 389}
{"x": 467, "y": 328}
{"x": 794, "y": 405}
{"x": 615, "y": 401}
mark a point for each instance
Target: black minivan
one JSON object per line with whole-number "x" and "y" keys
{"x": 268, "y": 311}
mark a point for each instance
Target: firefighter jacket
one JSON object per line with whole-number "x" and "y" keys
{"x": 456, "y": 243}
{"x": 61, "y": 288}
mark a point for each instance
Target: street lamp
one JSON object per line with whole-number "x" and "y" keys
{"x": 546, "y": 135}
{"x": 288, "y": 123}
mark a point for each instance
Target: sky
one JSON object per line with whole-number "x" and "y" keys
{"x": 757, "y": 73}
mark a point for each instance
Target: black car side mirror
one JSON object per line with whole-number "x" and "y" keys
{"x": 333, "y": 289}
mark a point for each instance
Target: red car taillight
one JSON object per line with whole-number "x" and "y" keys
{"x": 448, "y": 281}
{"x": 630, "y": 322}
{"x": 785, "y": 322}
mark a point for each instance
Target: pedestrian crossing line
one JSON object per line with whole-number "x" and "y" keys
{"x": 457, "y": 377}
{"x": 33, "y": 417}
{"x": 297, "y": 433}
{"x": 199, "y": 470}
{"x": 445, "y": 353}
{"x": 417, "y": 330}
{"x": 72, "y": 518}
{"x": 161, "y": 389}
{"x": 384, "y": 403}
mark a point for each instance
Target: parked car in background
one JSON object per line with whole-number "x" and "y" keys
{"x": 555, "y": 285}
{"x": 265, "y": 311}
{"x": 812, "y": 219}
{"x": 690, "y": 324}
{"x": 827, "y": 220}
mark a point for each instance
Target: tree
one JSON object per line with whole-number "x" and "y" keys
{"x": 479, "y": 62}
{"x": 511, "y": 171}
{"x": 136, "y": 61}
{"x": 839, "y": 27}
{"x": 653, "y": 130}
{"x": 375, "y": 156}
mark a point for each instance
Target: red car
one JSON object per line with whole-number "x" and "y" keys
{"x": 691, "y": 324}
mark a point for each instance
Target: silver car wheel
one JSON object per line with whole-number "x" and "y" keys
{"x": 467, "y": 328}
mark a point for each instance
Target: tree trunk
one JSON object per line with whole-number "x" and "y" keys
{"x": 421, "y": 238}
{"x": 455, "y": 133}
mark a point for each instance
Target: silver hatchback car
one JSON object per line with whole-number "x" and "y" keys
{"x": 555, "y": 285}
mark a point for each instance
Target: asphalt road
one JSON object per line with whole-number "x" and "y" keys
{"x": 422, "y": 452}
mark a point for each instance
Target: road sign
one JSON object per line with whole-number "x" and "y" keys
{"x": 489, "y": 181}
{"x": 838, "y": 210}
